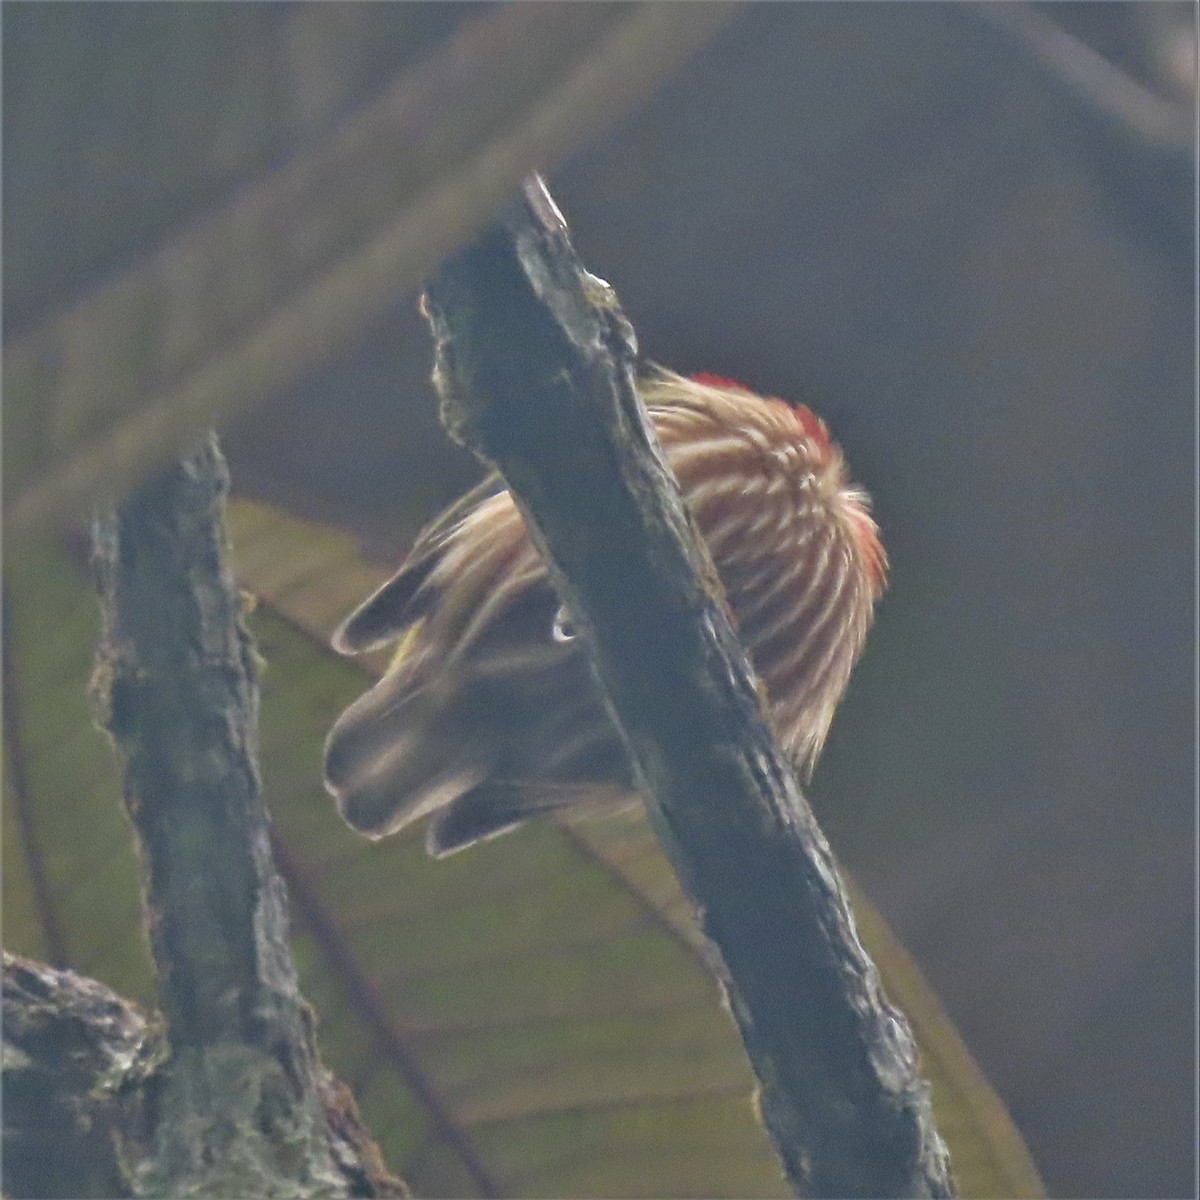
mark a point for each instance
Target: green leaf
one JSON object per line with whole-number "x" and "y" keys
{"x": 513, "y": 1020}
{"x": 530, "y": 1018}
{"x": 989, "y": 1156}
{"x": 70, "y": 876}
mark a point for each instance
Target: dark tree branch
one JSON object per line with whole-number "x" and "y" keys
{"x": 239, "y": 1104}
{"x": 82, "y": 1070}
{"x": 535, "y": 366}
{"x": 70, "y": 1048}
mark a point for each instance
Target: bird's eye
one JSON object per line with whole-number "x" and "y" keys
{"x": 563, "y": 630}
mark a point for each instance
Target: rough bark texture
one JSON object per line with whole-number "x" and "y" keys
{"x": 82, "y": 1070}
{"x": 228, "y": 1096}
{"x": 72, "y": 1049}
{"x": 535, "y": 368}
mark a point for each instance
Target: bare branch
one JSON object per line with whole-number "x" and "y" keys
{"x": 240, "y": 1103}
{"x": 535, "y": 369}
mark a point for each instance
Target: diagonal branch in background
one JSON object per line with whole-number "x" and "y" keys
{"x": 1095, "y": 81}
{"x": 287, "y": 276}
{"x": 535, "y": 366}
{"x": 240, "y": 1102}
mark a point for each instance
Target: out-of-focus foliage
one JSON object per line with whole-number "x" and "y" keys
{"x": 285, "y": 276}
{"x": 69, "y": 879}
{"x": 531, "y": 1017}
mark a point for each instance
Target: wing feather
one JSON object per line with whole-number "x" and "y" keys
{"x": 388, "y": 611}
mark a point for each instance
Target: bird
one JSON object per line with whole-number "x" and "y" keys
{"x": 488, "y": 713}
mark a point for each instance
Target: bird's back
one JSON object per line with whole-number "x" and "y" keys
{"x": 489, "y": 712}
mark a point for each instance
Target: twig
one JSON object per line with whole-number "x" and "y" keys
{"x": 535, "y": 369}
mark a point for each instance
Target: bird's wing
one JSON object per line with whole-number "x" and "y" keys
{"x": 390, "y": 610}
{"x": 496, "y": 806}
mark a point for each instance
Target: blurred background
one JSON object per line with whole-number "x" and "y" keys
{"x": 965, "y": 234}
